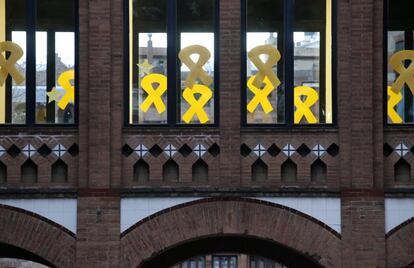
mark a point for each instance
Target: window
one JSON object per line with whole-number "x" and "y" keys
{"x": 260, "y": 262}
{"x": 38, "y": 62}
{"x": 172, "y": 69}
{"x": 287, "y": 50}
{"x": 199, "y": 262}
{"x": 224, "y": 261}
{"x": 399, "y": 58}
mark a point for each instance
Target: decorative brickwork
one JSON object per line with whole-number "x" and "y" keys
{"x": 33, "y": 233}
{"x": 230, "y": 216}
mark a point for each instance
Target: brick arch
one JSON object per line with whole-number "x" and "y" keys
{"x": 400, "y": 245}
{"x": 244, "y": 219}
{"x": 38, "y": 238}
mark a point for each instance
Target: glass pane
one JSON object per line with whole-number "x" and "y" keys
{"x": 396, "y": 111}
{"x": 196, "y": 28}
{"x": 41, "y": 76}
{"x": 148, "y": 62}
{"x": 55, "y": 62}
{"x": 265, "y": 99}
{"x": 400, "y": 101}
{"x": 13, "y": 89}
{"x": 64, "y": 63}
{"x": 312, "y": 62}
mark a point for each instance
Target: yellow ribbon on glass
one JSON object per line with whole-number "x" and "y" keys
{"x": 260, "y": 95}
{"x": 196, "y": 68}
{"x": 197, "y": 105}
{"x": 65, "y": 82}
{"x": 7, "y": 66}
{"x": 303, "y": 107}
{"x": 154, "y": 94}
{"x": 406, "y": 75}
{"x": 394, "y": 100}
{"x": 265, "y": 68}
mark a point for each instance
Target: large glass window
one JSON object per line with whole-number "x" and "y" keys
{"x": 400, "y": 57}
{"x": 172, "y": 50}
{"x": 288, "y": 52}
{"x": 37, "y": 62}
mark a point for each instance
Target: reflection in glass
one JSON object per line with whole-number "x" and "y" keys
{"x": 265, "y": 27}
{"x": 55, "y": 55}
{"x": 148, "y": 56}
{"x": 207, "y": 40}
{"x": 196, "y": 27}
{"x": 18, "y": 91}
{"x": 307, "y": 67}
{"x": 313, "y": 62}
{"x": 13, "y": 95}
{"x": 400, "y": 105}
{"x": 41, "y": 76}
{"x": 396, "y": 42}
{"x": 64, "y": 61}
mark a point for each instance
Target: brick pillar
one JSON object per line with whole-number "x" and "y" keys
{"x": 360, "y": 124}
{"x": 98, "y": 231}
{"x": 230, "y": 91}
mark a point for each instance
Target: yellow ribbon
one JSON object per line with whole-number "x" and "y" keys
{"x": 154, "y": 95}
{"x": 7, "y": 66}
{"x": 303, "y": 107}
{"x": 265, "y": 68}
{"x": 196, "y": 68}
{"x": 65, "y": 82}
{"x": 394, "y": 99}
{"x": 196, "y": 106}
{"x": 397, "y": 62}
{"x": 261, "y": 95}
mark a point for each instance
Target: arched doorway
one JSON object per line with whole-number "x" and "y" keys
{"x": 235, "y": 244}
{"x": 219, "y": 225}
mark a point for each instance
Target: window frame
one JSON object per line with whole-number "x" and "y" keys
{"x": 407, "y": 45}
{"x": 173, "y": 67}
{"x": 287, "y": 53}
{"x": 30, "y": 75}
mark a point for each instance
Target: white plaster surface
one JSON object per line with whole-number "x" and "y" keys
{"x": 324, "y": 209}
{"x": 397, "y": 211}
{"x": 327, "y": 210}
{"x": 60, "y": 210}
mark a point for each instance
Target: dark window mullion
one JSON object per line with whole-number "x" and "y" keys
{"x": 9, "y": 86}
{"x": 172, "y": 63}
{"x": 76, "y": 31}
{"x": 408, "y": 100}
{"x": 243, "y": 65}
{"x": 322, "y": 77}
{"x": 289, "y": 61}
{"x": 31, "y": 62}
{"x": 51, "y": 75}
{"x": 216, "y": 61}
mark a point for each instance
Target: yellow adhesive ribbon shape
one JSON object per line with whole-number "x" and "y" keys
{"x": 197, "y": 106}
{"x": 394, "y": 100}
{"x": 406, "y": 75}
{"x": 260, "y": 95}
{"x": 303, "y": 107}
{"x": 196, "y": 68}
{"x": 7, "y": 66}
{"x": 265, "y": 68}
{"x": 65, "y": 82}
{"x": 154, "y": 94}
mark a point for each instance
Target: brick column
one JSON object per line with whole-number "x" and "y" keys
{"x": 360, "y": 125}
{"x": 98, "y": 233}
{"x": 230, "y": 58}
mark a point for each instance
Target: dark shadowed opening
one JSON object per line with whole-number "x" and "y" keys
{"x": 234, "y": 244}
{"x": 8, "y": 251}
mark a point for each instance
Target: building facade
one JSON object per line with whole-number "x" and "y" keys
{"x": 206, "y": 133}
